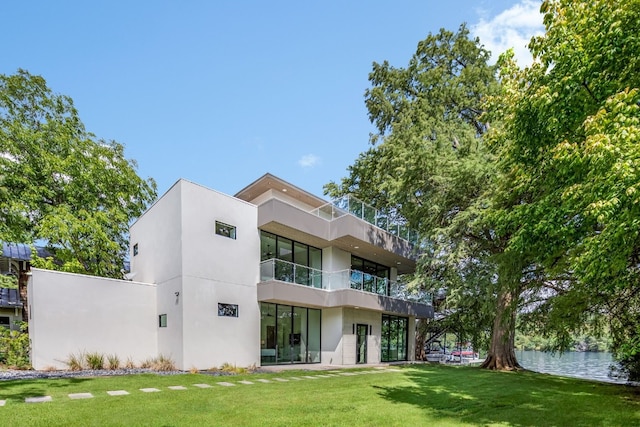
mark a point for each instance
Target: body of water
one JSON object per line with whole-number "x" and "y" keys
{"x": 589, "y": 365}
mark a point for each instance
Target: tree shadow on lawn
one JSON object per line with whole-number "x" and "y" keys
{"x": 476, "y": 396}
{"x": 19, "y": 390}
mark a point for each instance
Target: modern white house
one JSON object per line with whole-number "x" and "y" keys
{"x": 272, "y": 275}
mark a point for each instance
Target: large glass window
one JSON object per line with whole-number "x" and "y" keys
{"x": 369, "y": 276}
{"x": 289, "y": 334}
{"x": 393, "y": 342}
{"x": 295, "y": 254}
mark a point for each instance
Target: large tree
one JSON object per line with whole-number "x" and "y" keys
{"x": 429, "y": 161}
{"x": 61, "y": 185}
{"x": 569, "y": 149}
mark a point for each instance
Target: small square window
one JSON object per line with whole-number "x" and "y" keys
{"x": 135, "y": 249}
{"x": 5, "y": 322}
{"x": 162, "y": 321}
{"x": 225, "y": 230}
{"x": 228, "y": 310}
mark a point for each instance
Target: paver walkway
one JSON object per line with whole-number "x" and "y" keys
{"x": 87, "y": 395}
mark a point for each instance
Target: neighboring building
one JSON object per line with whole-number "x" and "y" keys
{"x": 271, "y": 275}
{"x": 15, "y": 260}
{"x": 10, "y": 309}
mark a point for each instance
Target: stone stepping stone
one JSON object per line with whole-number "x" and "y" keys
{"x": 177, "y": 387}
{"x": 262, "y": 380}
{"x": 295, "y": 378}
{"x": 203, "y": 385}
{"x": 149, "y": 390}
{"x": 245, "y": 382}
{"x": 282, "y": 380}
{"x": 80, "y": 395}
{"x": 347, "y": 374}
{"x": 117, "y": 393}
{"x": 331, "y": 375}
{"x": 39, "y": 399}
{"x": 3, "y": 402}
{"x": 226, "y": 384}
{"x": 309, "y": 377}
{"x": 323, "y": 376}
{"x": 394, "y": 370}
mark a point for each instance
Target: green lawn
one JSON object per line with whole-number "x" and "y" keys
{"x": 429, "y": 395}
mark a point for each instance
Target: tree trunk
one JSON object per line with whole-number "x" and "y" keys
{"x": 421, "y": 337}
{"x": 23, "y": 279}
{"x": 501, "y": 355}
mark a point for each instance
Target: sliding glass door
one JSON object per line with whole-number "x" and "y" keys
{"x": 394, "y": 338}
{"x": 289, "y": 334}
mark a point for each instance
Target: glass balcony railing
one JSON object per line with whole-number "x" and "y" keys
{"x": 349, "y": 205}
{"x": 285, "y": 271}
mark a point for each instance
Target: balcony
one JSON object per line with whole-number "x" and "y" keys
{"x": 349, "y": 205}
{"x": 288, "y": 272}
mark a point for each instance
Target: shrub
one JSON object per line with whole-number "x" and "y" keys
{"x": 14, "y": 347}
{"x": 94, "y": 360}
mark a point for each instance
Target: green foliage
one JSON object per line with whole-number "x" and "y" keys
{"x": 568, "y": 143}
{"x": 14, "y": 347}
{"x": 580, "y": 342}
{"x": 429, "y": 161}
{"x": 8, "y": 281}
{"x": 61, "y": 184}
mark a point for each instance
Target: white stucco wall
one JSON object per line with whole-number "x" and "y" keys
{"x": 331, "y": 336}
{"x": 335, "y": 259}
{"x": 158, "y": 233}
{"x": 280, "y": 195}
{"x": 73, "y": 313}
{"x": 218, "y": 269}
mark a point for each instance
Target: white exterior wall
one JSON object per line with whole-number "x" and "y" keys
{"x": 73, "y": 313}
{"x": 331, "y": 336}
{"x": 280, "y": 195}
{"x": 334, "y": 259}
{"x": 158, "y": 233}
{"x": 170, "y": 338}
{"x": 14, "y": 314}
{"x": 218, "y": 269}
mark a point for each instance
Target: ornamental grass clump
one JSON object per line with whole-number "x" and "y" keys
{"x": 75, "y": 362}
{"x": 95, "y": 360}
{"x": 113, "y": 362}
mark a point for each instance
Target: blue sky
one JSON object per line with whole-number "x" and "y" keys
{"x": 221, "y": 92}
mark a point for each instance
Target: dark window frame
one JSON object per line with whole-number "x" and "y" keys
{"x": 226, "y": 230}
{"x": 162, "y": 320}
{"x": 228, "y": 310}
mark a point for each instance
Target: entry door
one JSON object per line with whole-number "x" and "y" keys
{"x": 361, "y": 343}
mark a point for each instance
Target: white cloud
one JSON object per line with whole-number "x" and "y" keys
{"x": 309, "y": 161}
{"x": 512, "y": 28}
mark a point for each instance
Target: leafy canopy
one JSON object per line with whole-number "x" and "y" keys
{"x": 62, "y": 185}
{"x": 570, "y": 154}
